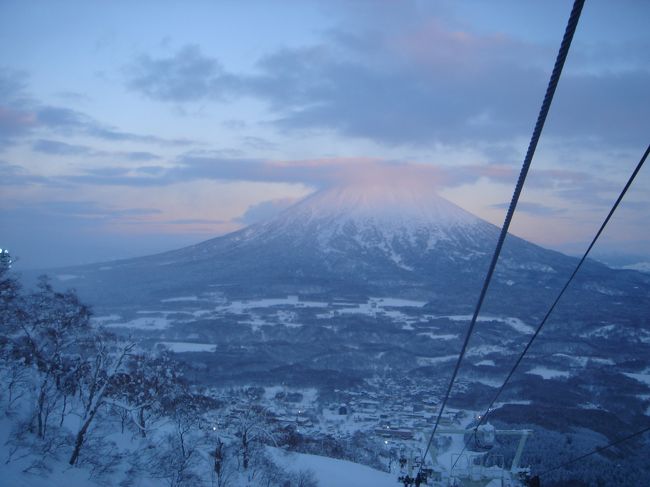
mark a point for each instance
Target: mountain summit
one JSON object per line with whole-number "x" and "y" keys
{"x": 380, "y": 225}
{"x": 392, "y": 210}
{"x": 392, "y": 205}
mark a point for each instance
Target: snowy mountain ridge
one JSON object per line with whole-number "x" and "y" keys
{"x": 375, "y": 239}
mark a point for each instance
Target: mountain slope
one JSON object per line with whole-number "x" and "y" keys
{"x": 351, "y": 241}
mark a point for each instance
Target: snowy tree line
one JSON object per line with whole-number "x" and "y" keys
{"x": 624, "y": 465}
{"x": 76, "y": 393}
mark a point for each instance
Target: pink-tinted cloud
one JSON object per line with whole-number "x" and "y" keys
{"x": 435, "y": 47}
{"x": 15, "y": 122}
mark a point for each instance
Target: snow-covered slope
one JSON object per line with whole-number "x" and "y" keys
{"x": 391, "y": 220}
{"x": 331, "y": 472}
{"x": 389, "y": 209}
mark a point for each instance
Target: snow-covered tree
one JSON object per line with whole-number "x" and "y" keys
{"x": 222, "y": 464}
{"x": 51, "y": 328}
{"x": 10, "y": 309}
{"x": 252, "y": 432}
{"x": 105, "y": 361}
{"x": 12, "y": 373}
{"x": 146, "y": 389}
{"x": 178, "y": 455}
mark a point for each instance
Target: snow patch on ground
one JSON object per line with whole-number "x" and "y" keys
{"x": 293, "y": 325}
{"x": 644, "y": 336}
{"x": 371, "y": 307}
{"x": 397, "y": 315}
{"x": 487, "y": 382}
{"x": 592, "y": 286}
{"x": 547, "y": 373}
{"x": 485, "y": 350}
{"x": 180, "y": 299}
{"x": 201, "y": 313}
{"x": 184, "y": 347}
{"x": 100, "y": 320}
{"x": 256, "y": 323}
{"x": 433, "y": 336}
{"x": 582, "y": 361}
{"x": 523, "y": 402}
{"x": 642, "y": 377}
{"x": 489, "y": 363}
{"x": 518, "y": 325}
{"x": 603, "y": 361}
{"x": 361, "y": 308}
{"x": 639, "y": 266}
{"x": 601, "y": 331}
{"x": 575, "y": 359}
{"x": 398, "y": 260}
{"x": 528, "y": 266}
{"x": 309, "y": 394}
{"x": 515, "y": 323}
{"x": 424, "y": 361}
{"x": 242, "y": 306}
{"x": 67, "y": 277}
{"x": 148, "y": 323}
{"x": 398, "y": 303}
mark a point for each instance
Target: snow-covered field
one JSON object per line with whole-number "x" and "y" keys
{"x": 601, "y": 331}
{"x": 398, "y": 303}
{"x": 547, "y": 373}
{"x": 183, "y": 347}
{"x": 481, "y": 350}
{"x": 639, "y": 266}
{"x": 180, "y": 299}
{"x": 489, "y": 363}
{"x": 515, "y": 323}
{"x": 424, "y": 361}
{"x": 289, "y": 312}
{"x": 433, "y": 336}
{"x": 262, "y": 312}
{"x": 66, "y": 277}
{"x": 642, "y": 377}
{"x": 582, "y": 361}
{"x": 145, "y": 323}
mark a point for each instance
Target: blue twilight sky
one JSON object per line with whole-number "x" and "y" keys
{"x": 128, "y": 128}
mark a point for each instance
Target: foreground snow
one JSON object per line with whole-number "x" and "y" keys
{"x": 57, "y": 473}
{"x": 331, "y": 472}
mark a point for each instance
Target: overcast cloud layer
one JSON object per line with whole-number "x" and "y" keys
{"x": 420, "y": 88}
{"x": 121, "y": 129}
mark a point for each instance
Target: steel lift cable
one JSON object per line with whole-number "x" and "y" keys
{"x": 630, "y": 180}
{"x": 537, "y": 131}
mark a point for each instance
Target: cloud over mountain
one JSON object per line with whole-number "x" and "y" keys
{"x": 409, "y": 87}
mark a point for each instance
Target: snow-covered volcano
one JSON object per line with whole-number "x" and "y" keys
{"x": 357, "y": 240}
{"x": 398, "y": 206}
{"x": 399, "y": 223}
